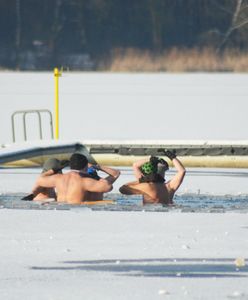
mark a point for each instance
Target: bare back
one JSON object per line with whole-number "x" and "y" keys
{"x": 72, "y": 188}
{"x": 152, "y": 192}
{"x": 155, "y": 192}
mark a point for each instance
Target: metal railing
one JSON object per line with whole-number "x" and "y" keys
{"x": 24, "y": 113}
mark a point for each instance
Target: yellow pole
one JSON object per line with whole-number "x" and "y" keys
{"x": 57, "y": 74}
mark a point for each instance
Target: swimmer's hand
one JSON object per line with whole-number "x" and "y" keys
{"x": 163, "y": 162}
{"x": 96, "y": 167}
{"x": 170, "y": 154}
{"x": 29, "y": 197}
{"x": 154, "y": 160}
{"x": 92, "y": 171}
{"x": 63, "y": 163}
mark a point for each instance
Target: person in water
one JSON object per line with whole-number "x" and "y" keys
{"x": 51, "y": 166}
{"x": 92, "y": 171}
{"x": 150, "y": 179}
{"x": 74, "y": 186}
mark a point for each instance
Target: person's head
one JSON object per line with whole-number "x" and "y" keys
{"x": 78, "y": 161}
{"x": 52, "y": 163}
{"x": 162, "y": 168}
{"x": 149, "y": 168}
{"x": 155, "y": 166}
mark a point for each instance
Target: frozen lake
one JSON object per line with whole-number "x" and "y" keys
{"x": 84, "y": 254}
{"x": 129, "y": 106}
{"x": 77, "y": 253}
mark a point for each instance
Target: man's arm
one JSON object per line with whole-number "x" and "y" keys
{"x": 38, "y": 188}
{"x": 113, "y": 173}
{"x": 46, "y": 180}
{"x": 133, "y": 188}
{"x": 177, "y": 180}
{"x": 128, "y": 189}
{"x": 97, "y": 186}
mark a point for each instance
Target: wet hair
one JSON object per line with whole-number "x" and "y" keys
{"x": 52, "y": 163}
{"x": 55, "y": 164}
{"x": 154, "y": 170}
{"x": 78, "y": 161}
{"x": 162, "y": 168}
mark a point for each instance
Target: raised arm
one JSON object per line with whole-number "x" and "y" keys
{"x": 177, "y": 180}
{"x": 55, "y": 166}
{"x": 97, "y": 186}
{"x": 46, "y": 180}
{"x": 130, "y": 188}
{"x": 37, "y": 188}
{"x": 113, "y": 174}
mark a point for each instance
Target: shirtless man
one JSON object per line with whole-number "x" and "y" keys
{"x": 73, "y": 186}
{"x": 92, "y": 171}
{"x": 51, "y": 166}
{"x": 151, "y": 184}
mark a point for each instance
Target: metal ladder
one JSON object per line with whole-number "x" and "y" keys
{"x": 24, "y": 113}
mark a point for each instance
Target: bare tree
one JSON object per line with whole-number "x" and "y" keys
{"x": 238, "y": 20}
{"x": 18, "y": 32}
{"x": 156, "y": 24}
{"x": 55, "y": 30}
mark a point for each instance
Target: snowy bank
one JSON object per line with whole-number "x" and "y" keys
{"x": 85, "y": 254}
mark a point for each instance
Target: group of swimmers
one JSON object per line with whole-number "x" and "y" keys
{"x": 83, "y": 183}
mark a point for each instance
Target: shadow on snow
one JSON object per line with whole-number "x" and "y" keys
{"x": 161, "y": 267}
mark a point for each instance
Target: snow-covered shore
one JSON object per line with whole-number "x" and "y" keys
{"x": 85, "y": 254}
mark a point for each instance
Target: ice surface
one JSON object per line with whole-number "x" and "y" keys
{"x": 129, "y": 106}
{"x": 84, "y": 254}
{"x": 88, "y": 254}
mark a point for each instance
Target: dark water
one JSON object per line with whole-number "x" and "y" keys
{"x": 183, "y": 203}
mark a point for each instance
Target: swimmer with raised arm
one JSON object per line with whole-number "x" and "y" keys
{"x": 150, "y": 180}
{"x": 73, "y": 186}
{"x": 51, "y": 166}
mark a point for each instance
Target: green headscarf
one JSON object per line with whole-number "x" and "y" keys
{"x": 149, "y": 168}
